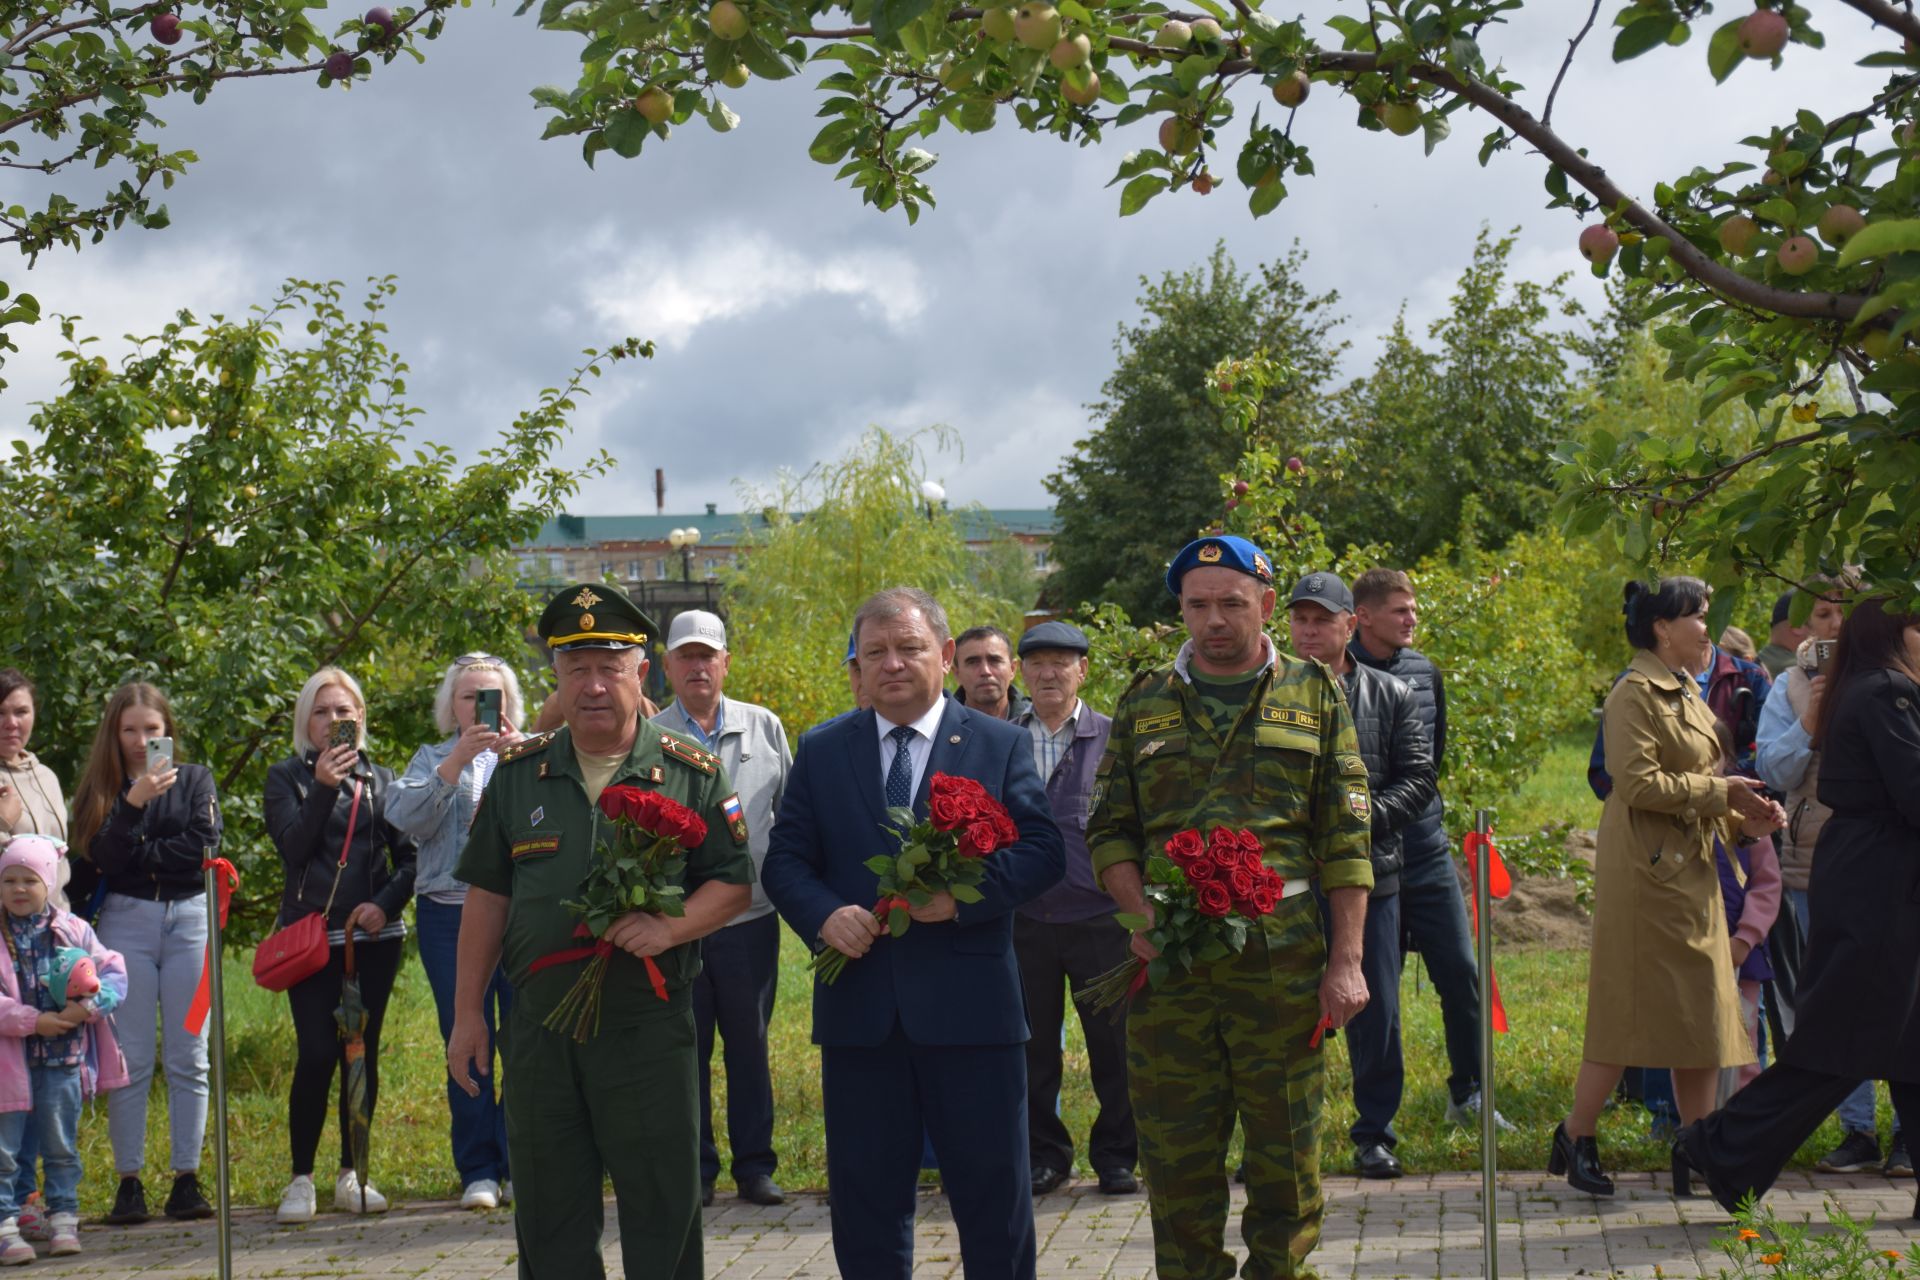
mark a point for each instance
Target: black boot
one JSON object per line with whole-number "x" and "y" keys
{"x": 129, "y": 1203}
{"x": 1579, "y": 1160}
{"x": 1688, "y": 1160}
{"x": 186, "y": 1202}
{"x": 1682, "y": 1171}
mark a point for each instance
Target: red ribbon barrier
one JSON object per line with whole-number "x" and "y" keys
{"x": 1499, "y": 885}
{"x": 655, "y": 978}
{"x": 225, "y": 880}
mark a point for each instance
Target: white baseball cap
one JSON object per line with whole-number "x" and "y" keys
{"x": 697, "y": 626}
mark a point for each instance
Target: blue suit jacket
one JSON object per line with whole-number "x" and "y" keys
{"x": 955, "y": 982}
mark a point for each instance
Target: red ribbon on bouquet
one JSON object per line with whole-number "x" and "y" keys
{"x": 602, "y": 947}
{"x": 225, "y": 880}
{"x": 1499, "y": 885}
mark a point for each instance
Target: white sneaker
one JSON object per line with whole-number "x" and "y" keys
{"x": 1467, "y": 1114}
{"x": 14, "y": 1252}
{"x": 346, "y": 1195}
{"x": 299, "y": 1202}
{"x": 483, "y": 1193}
{"x": 65, "y": 1229}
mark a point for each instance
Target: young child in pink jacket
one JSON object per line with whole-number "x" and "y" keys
{"x": 65, "y": 1046}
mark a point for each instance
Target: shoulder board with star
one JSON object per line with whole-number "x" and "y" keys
{"x": 686, "y": 753}
{"x": 527, "y": 746}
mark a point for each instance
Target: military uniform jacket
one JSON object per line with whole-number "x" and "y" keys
{"x": 536, "y": 834}
{"x": 1288, "y": 769}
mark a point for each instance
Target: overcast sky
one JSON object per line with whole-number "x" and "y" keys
{"x": 788, "y": 315}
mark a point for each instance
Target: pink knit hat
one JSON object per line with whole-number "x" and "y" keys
{"x": 38, "y": 854}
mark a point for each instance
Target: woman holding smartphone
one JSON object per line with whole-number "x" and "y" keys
{"x": 326, "y": 811}
{"x": 146, "y": 821}
{"x": 477, "y": 707}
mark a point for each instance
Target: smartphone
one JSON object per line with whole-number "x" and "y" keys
{"x": 1822, "y": 656}
{"x": 159, "y": 754}
{"x": 343, "y": 733}
{"x": 486, "y": 708}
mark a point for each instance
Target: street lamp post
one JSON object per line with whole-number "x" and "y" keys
{"x": 935, "y": 493}
{"x": 684, "y": 541}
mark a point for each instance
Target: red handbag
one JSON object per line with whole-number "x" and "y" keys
{"x": 287, "y": 957}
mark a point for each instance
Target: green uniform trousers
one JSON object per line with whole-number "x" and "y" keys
{"x": 1229, "y": 1040}
{"x": 623, "y": 1104}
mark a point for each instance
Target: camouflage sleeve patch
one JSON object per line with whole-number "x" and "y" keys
{"x": 1352, "y": 767}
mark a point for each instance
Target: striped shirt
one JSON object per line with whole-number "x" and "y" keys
{"x": 1049, "y": 745}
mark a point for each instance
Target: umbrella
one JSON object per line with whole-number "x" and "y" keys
{"x": 352, "y": 1019}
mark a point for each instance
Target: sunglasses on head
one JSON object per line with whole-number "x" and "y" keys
{"x": 477, "y": 659}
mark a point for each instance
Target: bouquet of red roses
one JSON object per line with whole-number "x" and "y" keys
{"x": 637, "y": 870}
{"x": 943, "y": 854}
{"x": 1205, "y": 895}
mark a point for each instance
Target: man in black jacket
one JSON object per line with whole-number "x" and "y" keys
{"x": 1432, "y": 911}
{"x": 1393, "y": 743}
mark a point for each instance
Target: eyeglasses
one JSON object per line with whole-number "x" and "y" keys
{"x": 477, "y": 659}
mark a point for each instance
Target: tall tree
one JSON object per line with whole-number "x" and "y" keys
{"x": 229, "y": 511}
{"x": 1476, "y": 415}
{"x": 1145, "y": 480}
{"x": 791, "y": 599}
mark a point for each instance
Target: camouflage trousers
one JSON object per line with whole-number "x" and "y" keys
{"x": 1228, "y": 1041}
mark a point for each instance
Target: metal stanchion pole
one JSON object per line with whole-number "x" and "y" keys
{"x": 1489, "y": 1156}
{"x": 217, "y": 1041}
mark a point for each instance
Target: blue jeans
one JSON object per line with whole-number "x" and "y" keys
{"x": 55, "y": 1121}
{"x": 479, "y": 1124}
{"x": 26, "y": 1160}
{"x": 1373, "y": 1036}
{"x": 1857, "y": 1111}
{"x": 739, "y": 966}
{"x": 1434, "y": 914}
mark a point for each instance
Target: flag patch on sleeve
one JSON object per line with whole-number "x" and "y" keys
{"x": 736, "y": 818}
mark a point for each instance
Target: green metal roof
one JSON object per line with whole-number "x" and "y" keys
{"x": 728, "y": 529}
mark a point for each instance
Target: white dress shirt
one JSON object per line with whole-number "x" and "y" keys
{"x": 919, "y": 746}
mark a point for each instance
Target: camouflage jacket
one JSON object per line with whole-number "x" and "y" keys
{"x": 1289, "y": 770}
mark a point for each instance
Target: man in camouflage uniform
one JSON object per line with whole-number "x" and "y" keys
{"x": 623, "y": 1103}
{"x": 1236, "y": 734}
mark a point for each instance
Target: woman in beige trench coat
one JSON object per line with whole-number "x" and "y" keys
{"x": 1660, "y": 988}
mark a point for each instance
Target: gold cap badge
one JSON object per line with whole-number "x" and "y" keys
{"x": 1209, "y": 553}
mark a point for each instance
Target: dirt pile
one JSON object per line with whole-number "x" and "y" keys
{"x": 1544, "y": 912}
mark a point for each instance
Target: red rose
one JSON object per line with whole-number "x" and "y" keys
{"x": 979, "y": 839}
{"x": 1003, "y": 823}
{"x": 615, "y": 801}
{"x": 1222, "y": 839}
{"x": 1184, "y": 844}
{"x": 1213, "y": 899}
{"x": 1275, "y": 881}
{"x": 1264, "y": 899}
{"x": 1242, "y": 882}
{"x": 1250, "y": 842}
{"x": 947, "y": 806}
{"x": 1252, "y": 863}
{"x": 643, "y": 808}
{"x": 1199, "y": 870}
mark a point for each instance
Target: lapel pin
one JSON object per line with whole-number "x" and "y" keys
{"x": 955, "y": 739}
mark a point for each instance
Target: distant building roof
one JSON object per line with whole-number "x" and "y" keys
{"x": 729, "y": 529}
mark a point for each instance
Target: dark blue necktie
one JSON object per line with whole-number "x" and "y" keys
{"x": 900, "y": 772}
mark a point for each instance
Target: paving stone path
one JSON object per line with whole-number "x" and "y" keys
{"x": 1416, "y": 1227}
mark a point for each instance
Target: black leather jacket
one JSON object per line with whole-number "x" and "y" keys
{"x": 1417, "y": 672}
{"x": 1400, "y": 774}
{"x": 308, "y": 823}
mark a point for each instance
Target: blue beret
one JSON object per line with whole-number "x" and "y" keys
{"x": 853, "y": 646}
{"x": 1224, "y": 550}
{"x": 1054, "y": 635}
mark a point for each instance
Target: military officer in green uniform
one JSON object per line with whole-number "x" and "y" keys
{"x": 624, "y": 1102}
{"x": 1237, "y": 734}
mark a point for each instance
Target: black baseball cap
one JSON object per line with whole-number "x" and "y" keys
{"x": 1325, "y": 590}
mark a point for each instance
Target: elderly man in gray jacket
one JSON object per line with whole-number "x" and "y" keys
{"x": 740, "y": 962}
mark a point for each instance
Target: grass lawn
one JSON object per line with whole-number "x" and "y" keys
{"x": 1557, "y": 792}
{"x": 1545, "y": 991}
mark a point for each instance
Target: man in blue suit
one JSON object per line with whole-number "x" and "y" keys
{"x": 927, "y": 1030}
